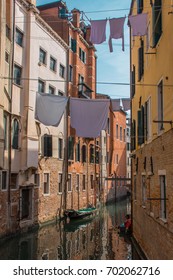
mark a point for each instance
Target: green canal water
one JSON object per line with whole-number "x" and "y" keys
{"x": 96, "y": 239}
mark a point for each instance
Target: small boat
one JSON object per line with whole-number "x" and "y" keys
{"x": 79, "y": 214}
{"x": 77, "y": 224}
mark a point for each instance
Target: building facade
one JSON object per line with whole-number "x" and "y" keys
{"x": 152, "y": 159}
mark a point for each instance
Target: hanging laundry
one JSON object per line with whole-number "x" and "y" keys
{"x": 49, "y": 108}
{"x": 98, "y": 31}
{"x": 115, "y": 104}
{"x": 116, "y": 31}
{"x": 138, "y": 24}
{"x": 126, "y": 104}
{"x": 89, "y": 116}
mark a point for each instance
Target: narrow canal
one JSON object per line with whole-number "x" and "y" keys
{"x": 96, "y": 239}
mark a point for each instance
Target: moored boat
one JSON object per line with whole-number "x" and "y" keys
{"x": 79, "y": 214}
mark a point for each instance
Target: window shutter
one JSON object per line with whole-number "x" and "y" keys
{"x": 141, "y": 126}
{"x": 133, "y": 82}
{"x": 139, "y": 6}
{"x": 157, "y": 21}
{"x": 47, "y": 145}
{"x": 70, "y": 147}
{"x": 146, "y": 121}
{"x": 73, "y": 45}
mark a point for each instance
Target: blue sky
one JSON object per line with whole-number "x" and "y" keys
{"x": 111, "y": 67}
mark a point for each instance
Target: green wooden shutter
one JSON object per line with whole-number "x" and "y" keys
{"x": 73, "y": 45}
{"x": 47, "y": 145}
{"x": 70, "y": 147}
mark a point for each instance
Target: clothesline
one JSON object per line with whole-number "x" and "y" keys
{"x": 138, "y": 23}
{"x": 88, "y": 116}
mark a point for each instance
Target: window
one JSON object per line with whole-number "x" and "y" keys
{"x": 144, "y": 198}
{"x": 47, "y": 145}
{"x": 82, "y": 55}
{"x": 62, "y": 71}
{"x": 117, "y": 159}
{"x": 19, "y": 37}
{"x": 41, "y": 86}
{"x": 162, "y": 196}
{"x": 124, "y": 135}
{"x": 84, "y": 153}
{"x": 117, "y": 131}
{"x": 73, "y": 44}
{"x": 17, "y": 74}
{"x": 69, "y": 183}
{"x": 157, "y": 21}
{"x": 7, "y": 57}
{"x": 78, "y": 151}
{"x": 139, "y": 6}
{"x": 141, "y": 60}
{"x": 52, "y": 64}
{"x": 26, "y": 203}
{"x": 97, "y": 156}
{"x": 60, "y": 182}
{"x": 8, "y": 32}
{"x": 160, "y": 106}
{"x": 77, "y": 182}
{"x": 80, "y": 82}
{"x": 13, "y": 180}
{"x": 83, "y": 183}
{"x": 92, "y": 181}
{"x": 60, "y": 93}
{"x": 70, "y": 73}
{"x": 5, "y": 132}
{"x": 3, "y": 180}
{"x": 71, "y": 147}
{"x": 51, "y": 90}
{"x": 128, "y": 146}
{"x": 37, "y": 179}
{"x": 15, "y": 135}
{"x": 42, "y": 56}
{"x": 60, "y": 148}
{"x": 92, "y": 154}
{"x": 121, "y": 133}
{"x": 46, "y": 183}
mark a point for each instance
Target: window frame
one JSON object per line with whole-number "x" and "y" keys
{"x": 62, "y": 71}
{"x": 2, "y": 188}
{"x": 44, "y": 85}
{"x": 46, "y": 187}
{"x": 17, "y": 77}
{"x": 43, "y": 57}
{"x": 52, "y": 88}
{"x": 54, "y": 60}
{"x": 20, "y": 33}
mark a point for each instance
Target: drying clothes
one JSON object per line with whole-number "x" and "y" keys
{"x": 115, "y": 104}
{"x": 98, "y": 31}
{"x": 126, "y": 104}
{"x": 89, "y": 116}
{"x": 116, "y": 31}
{"x": 138, "y": 24}
{"x": 49, "y": 108}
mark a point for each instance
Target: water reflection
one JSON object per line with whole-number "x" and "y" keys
{"x": 96, "y": 239}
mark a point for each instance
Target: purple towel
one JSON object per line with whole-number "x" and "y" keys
{"x": 89, "y": 116}
{"x": 138, "y": 24}
{"x": 116, "y": 31}
{"x": 98, "y": 31}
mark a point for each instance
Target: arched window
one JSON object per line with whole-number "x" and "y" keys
{"x": 92, "y": 155}
{"x": 15, "y": 135}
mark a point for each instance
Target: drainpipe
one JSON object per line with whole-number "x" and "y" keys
{"x": 10, "y": 115}
{"x": 131, "y": 130}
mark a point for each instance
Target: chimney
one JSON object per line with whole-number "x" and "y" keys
{"x": 33, "y": 2}
{"x": 76, "y": 18}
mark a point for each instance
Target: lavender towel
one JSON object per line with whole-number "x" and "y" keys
{"x": 116, "y": 31}
{"x": 49, "y": 108}
{"x": 138, "y": 24}
{"x": 98, "y": 31}
{"x": 89, "y": 117}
